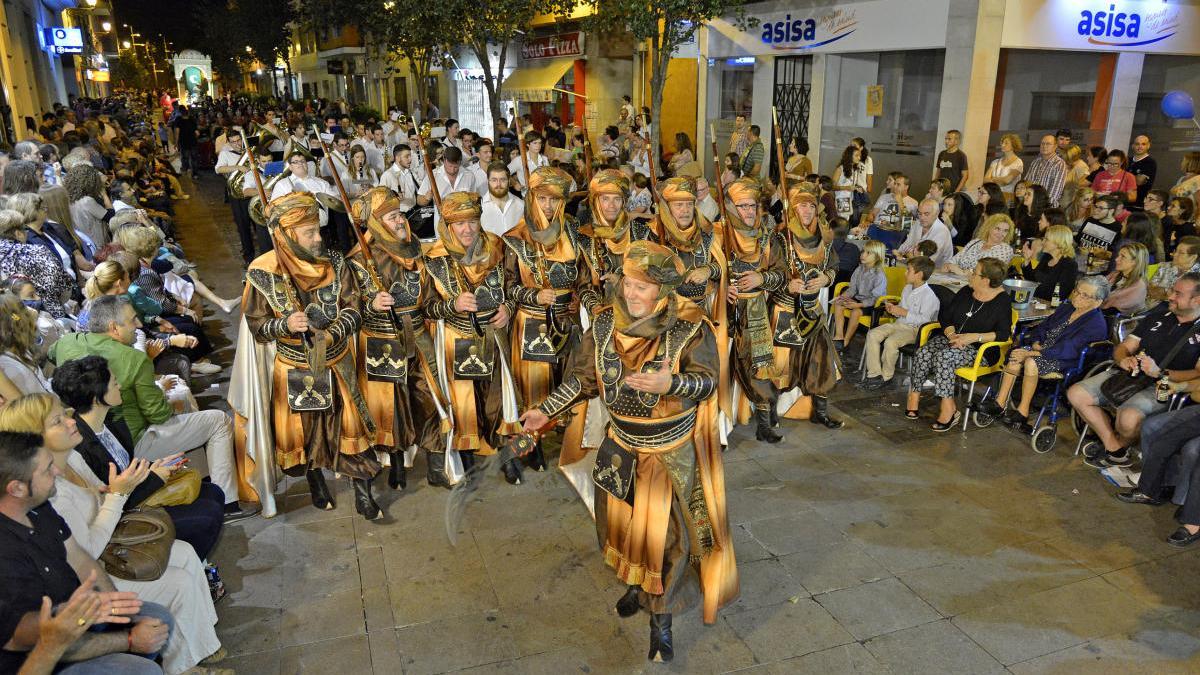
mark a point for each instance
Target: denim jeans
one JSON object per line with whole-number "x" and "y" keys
{"x": 124, "y": 664}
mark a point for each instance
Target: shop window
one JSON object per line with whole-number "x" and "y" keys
{"x": 400, "y": 92}
{"x": 1054, "y": 110}
{"x": 737, "y": 91}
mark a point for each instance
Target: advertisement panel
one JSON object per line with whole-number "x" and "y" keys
{"x": 1103, "y": 25}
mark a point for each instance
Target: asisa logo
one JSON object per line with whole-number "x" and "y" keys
{"x": 810, "y": 32}
{"x": 1116, "y": 28}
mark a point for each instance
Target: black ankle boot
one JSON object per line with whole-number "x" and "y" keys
{"x": 398, "y": 476}
{"x": 512, "y": 471}
{"x": 662, "y": 647}
{"x": 319, "y": 490}
{"x": 629, "y": 604}
{"x": 774, "y": 416}
{"x": 364, "y": 502}
{"x": 436, "y": 470}
{"x": 820, "y": 414}
{"x": 764, "y": 432}
{"x": 536, "y": 460}
{"x": 468, "y": 460}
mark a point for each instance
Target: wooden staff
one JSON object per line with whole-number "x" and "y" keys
{"x": 521, "y": 147}
{"x": 587, "y": 149}
{"x": 712, "y": 134}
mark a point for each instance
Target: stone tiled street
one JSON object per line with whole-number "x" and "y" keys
{"x": 880, "y": 548}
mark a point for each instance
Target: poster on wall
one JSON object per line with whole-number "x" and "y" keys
{"x": 875, "y": 100}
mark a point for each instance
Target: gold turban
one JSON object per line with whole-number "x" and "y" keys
{"x": 549, "y": 180}
{"x": 370, "y": 208}
{"x": 744, "y": 188}
{"x": 655, "y": 264}
{"x": 295, "y": 209}
{"x": 802, "y": 192}
{"x": 609, "y": 182}
{"x": 460, "y": 206}
{"x": 679, "y": 189}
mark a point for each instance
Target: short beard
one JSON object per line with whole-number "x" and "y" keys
{"x": 497, "y": 193}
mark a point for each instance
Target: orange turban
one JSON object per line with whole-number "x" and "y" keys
{"x": 679, "y": 189}
{"x": 609, "y": 182}
{"x": 370, "y": 208}
{"x": 295, "y": 209}
{"x": 460, "y": 206}
{"x": 654, "y": 264}
{"x": 549, "y": 180}
{"x": 744, "y": 188}
{"x": 802, "y": 192}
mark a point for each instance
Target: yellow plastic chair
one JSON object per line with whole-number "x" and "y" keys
{"x": 895, "y": 286}
{"x": 979, "y": 369}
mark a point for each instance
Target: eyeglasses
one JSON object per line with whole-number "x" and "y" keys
{"x": 1080, "y": 294}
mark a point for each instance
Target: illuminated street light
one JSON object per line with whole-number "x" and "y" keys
{"x": 125, "y": 44}
{"x": 106, "y": 26}
{"x": 91, "y": 3}
{"x": 258, "y": 71}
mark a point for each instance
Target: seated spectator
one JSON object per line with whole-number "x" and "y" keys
{"x": 939, "y": 189}
{"x": 48, "y": 329}
{"x": 90, "y": 205}
{"x": 980, "y": 312}
{"x": 1053, "y": 267}
{"x": 1029, "y": 210}
{"x": 20, "y": 358}
{"x": 1128, "y": 280}
{"x": 867, "y": 283}
{"x": 156, "y": 431}
{"x": 847, "y": 252}
{"x": 994, "y": 241}
{"x": 86, "y": 386}
{"x": 928, "y": 228}
{"x": 1114, "y": 179}
{"x": 1050, "y": 347}
{"x": 927, "y": 248}
{"x": 1139, "y": 228}
{"x": 19, "y": 259}
{"x": 1165, "y": 437}
{"x": 92, "y": 515}
{"x": 1100, "y": 233}
{"x": 41, "y": 563}
{"x": 918, "y": 306}
{"x": 1186, "y": 258}
{"x": 1179, "y": 222}
{"x": 894, "y": 208}
{"x": 1151, "y": 341}
{"x": 958, "y": 213}
{"x": 1079, "y": 210}
{"x": 53, "y": 238}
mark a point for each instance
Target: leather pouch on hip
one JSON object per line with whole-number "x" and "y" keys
{"x": 386, "y": 360}
{"x": 614, "y": 472}
{"x": 472, "y": 360}
{"x": 309, "y": 393}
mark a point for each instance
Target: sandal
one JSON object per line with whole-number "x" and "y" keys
{"x": 912, "y": 414}
{"x": 940, "y": 427}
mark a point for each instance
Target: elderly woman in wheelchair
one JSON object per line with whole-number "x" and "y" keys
{"x": 1050, "y": 348}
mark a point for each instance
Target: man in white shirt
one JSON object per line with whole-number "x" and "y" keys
{"x": 300, "y": 180}
{"x": 479, "y": 167}
{"x": 705, "y": 203}
{"x": 417, "y": 145}
{"x": 450, "y": 178}
{"x": 230, "y": 160}
{"x": 533, "y": 156}
{"x": 888, "y": 211}
{"x": 928, "y": 226}
{"x": 401, "y": 177}
{"x": 340, "y": 149}
{"x": 377, "y": 148}
{"x": 501, "y": 210}
{"x": 918, "y": 305}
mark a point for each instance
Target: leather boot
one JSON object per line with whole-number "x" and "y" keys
{"x": 398, "y": 475}
{"x": 364, "y": 502}
{"x": 629, "y": 604}
{"x": 764, "y": 432}
{"x": 820, "y": 414}
{"x": 512, "y": 471}
{"x": 662, "y": 648}
{"x": 774, "y": 416}
{"x": 536, "y": 460}
{"x": 436, "y": 473}
{"x": 319, "y": 490}
{"x": 468, "y": 460}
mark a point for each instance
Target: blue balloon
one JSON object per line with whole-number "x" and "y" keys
{"x": 1178, "y": 105}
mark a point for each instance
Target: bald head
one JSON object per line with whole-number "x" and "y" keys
{"x": 1141, "y": 145}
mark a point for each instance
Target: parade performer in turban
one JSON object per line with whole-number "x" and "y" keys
{"x": 749, "y": 238}
{"x": 473, "y": 310}
{"x": 302, "y": 300}
{"x": 545, "y": 277}
{"x": 608, "y": 233}
{"x": 660, "y": 517}
{"x": 397, "y": 364}
{"x": 805, "y": 360}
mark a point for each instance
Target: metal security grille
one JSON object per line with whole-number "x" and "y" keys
{"x": 793, "y": 84}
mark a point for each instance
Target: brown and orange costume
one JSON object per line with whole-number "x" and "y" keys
{"x": 472, "y": 355}
{"x": 675, "y": 527}
{"x": 319, "y": 415}
{"x": 398, "y": 366}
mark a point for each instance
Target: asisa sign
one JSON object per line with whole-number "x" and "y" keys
{"x": 809, "y": 32}
{"x": 1119, "y": 27}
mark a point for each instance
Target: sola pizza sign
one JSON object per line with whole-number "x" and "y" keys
{"x": 551, "y": 46}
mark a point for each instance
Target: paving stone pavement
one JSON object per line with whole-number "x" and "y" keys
{"x": 880, "y": 548}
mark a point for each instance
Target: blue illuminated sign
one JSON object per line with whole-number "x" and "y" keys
{"x": 60, "y": 40}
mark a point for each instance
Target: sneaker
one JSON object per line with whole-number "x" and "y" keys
{"x": 234, "y": 512}
{"x": 871, "y": 384}
{"x": 206, "y": 368}
{"x": 1103, "y": 460}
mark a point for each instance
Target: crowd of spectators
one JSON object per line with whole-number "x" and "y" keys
{"x": 101, "y": 341}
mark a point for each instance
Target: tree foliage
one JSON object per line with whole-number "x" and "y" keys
{"x": 411, "y": 30}
{"x": 230, "y": 26}
{"x": 667, "y": 25}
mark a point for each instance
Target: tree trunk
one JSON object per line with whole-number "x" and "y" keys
{"x": 659, "y": 60}
{"x": 420, "y": 85}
